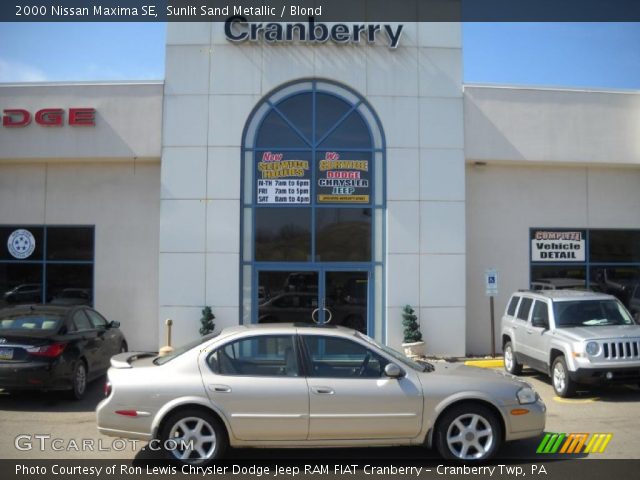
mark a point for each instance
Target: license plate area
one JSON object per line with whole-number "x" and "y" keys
{"x": 6, "y": 353}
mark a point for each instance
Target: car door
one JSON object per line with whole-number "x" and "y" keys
{"x": 538, "y": 333}
{"x": 257, "y": 384}
{"x": 90, "y": 343}
{"x": 112, "y": 341}
{"x": 351, "y": 398}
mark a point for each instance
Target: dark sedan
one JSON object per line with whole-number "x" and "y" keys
{"x": 55, "y": 347}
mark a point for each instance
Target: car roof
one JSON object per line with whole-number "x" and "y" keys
{"x": 567, "y": 295}
{"x": 288, "y": 328}
{"x": 56, "y": 309}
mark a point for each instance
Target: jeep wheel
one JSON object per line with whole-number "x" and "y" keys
{"x": 468, "y": 432}
{"x": 562, "y": 383}
{"x": 511, "y": 364}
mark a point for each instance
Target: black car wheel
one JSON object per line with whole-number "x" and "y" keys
{"x": 511, "y": 364}
{"x": 79, "y": 381}
{"x": 193, "y": 436}
{"x": 562, "y": 383}
{"x": 469, "y": 432}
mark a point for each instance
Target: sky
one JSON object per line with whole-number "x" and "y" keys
{"x": 589, "y": 55}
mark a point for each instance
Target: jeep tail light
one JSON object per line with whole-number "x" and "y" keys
{"x": 50, "y": 351}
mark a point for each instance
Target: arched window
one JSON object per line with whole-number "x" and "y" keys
{"x": 313, "y": 202}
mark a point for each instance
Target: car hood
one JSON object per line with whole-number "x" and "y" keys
{"x": 599, "y": 333}
{"x": 475, "y": 377}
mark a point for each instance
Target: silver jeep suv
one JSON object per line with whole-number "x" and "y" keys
{"x": 576, "y": 337}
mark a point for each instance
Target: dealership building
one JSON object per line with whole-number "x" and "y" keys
{"x": 315, "y": 172}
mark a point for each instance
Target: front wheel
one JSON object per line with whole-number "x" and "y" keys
{"x": 470, "y": 432}
{"x": 79, "y": 381}
{"x": 193, "y": 437}
{"x": 511, "y": 364}
{"x": 562, "y": 383}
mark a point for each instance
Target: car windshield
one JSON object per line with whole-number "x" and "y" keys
{"x": 590, "y": 313}
{"x": 183, "y": 349}
{"x": 421, "y": 367}
{"x": 30, "y": 322}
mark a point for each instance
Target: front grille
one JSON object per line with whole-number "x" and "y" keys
{"x": 627, "y": 349}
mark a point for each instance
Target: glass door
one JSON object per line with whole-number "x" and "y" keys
{"x": 346, "y": 299}
{"x": 323, "y": 296}
{"x": 287, "y": 296}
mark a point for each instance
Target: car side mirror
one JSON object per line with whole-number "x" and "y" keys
{"x": 393, "y": 371}
{"x": 113, "y": 324}
{"x": 540, "y": 323}
{"x": 636, "y": 317}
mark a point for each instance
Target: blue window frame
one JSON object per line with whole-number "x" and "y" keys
{"x": 313, "y": 192}
{"x": 41, "y": 263}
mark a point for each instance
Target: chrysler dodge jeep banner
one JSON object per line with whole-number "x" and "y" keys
{"x": 343, "y": 177}
{"x": 283, "y": 178}
{"x": 557, "y": 245}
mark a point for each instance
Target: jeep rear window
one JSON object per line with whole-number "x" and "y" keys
{"x": 511, "y": 309}
{"x": 525, "y": 306}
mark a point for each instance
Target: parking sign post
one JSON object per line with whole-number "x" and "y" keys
{"x": 491, "y": 290}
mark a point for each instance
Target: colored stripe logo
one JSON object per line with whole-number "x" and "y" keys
{"x": 574, "y": 443}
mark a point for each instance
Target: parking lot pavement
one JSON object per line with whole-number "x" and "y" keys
{"x": 606, "y": 410}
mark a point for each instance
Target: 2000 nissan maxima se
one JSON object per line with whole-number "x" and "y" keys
{"x": 307, "y": 386}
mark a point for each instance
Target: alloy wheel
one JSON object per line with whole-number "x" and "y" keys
{"x": 195, "y": 440}
{"x": 470, "y": 437}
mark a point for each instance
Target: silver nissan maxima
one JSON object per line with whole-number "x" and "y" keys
{"x": 289, "y": 385}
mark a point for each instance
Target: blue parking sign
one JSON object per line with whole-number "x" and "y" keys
{"x": 491, "y": 282}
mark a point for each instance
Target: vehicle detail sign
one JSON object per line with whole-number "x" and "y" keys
{"x": 343, "y": 180}
{"x": 282, "y": 178}
{"x": 557, "y": 246}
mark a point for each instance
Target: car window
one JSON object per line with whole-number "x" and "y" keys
{"x": 511, "y": 309}
{"x": 97, "y": 320}
{"x": 525, "y": 306}
{"x": 35, "y": 321}
{"x": 333, "y": 357}
{"x": 182, "y": 349}
{"x": 81, "y": 321}
{"x": 590, "y": 313}
{"x": 259, "y": 356}
{"x": 540, "y": 312}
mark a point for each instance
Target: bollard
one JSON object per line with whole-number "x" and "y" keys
{"x": 167, "y": 349}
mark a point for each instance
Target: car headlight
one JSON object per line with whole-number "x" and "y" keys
{"x": 526, "y": 395}
{"x": 592, "y": 348}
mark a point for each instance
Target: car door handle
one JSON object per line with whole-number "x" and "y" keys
{"x": 322, "y": 390}
{"x": 220, "y": 388}
{"x": 529, "y": 331}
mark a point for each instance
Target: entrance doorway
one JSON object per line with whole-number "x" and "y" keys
{"x": 331, "y": 295}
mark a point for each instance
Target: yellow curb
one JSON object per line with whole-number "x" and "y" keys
{"x": 576, "y": 400}
{"x": 492, "y": 363}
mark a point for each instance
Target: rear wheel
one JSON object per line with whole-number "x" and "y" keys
{"x": 193, "y": 436}
{"x": 511, "y": 364}
{"x": 470, "y": 432}
{"x": 562, "y": 383}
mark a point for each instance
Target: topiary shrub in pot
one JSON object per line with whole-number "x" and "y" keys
{"x": 206, "y": 321}
{"x": 413, "y": 345}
